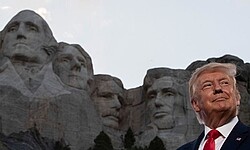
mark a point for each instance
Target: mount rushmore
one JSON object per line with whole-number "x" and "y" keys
{"x": 51, "y": 86}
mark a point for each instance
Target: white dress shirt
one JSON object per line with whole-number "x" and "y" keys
{"x": 225, "y": 130}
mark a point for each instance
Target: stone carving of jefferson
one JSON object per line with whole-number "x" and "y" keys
{"x": 73, "y": 65}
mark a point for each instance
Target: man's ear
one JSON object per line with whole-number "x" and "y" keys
{"x": 238, "y": 102}
{"x": 195, "y": 105}
{"x": 238, "y": 97}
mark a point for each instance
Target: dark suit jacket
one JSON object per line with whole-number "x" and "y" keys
{"x": 238, "y": 139}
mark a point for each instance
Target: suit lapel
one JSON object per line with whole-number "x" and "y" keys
{"x": 238, "y": 134}
{"x": 198, "y": 141}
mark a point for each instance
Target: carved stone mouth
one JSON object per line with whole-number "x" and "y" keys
{"x": 160, "y": 114}
{"x": 73, "y": 75}
{"x": 24, "y": 58}
{"x": 20, "y": 43}
{"x": 115, "y": 118}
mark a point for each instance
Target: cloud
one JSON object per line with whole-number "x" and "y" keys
{"x": 5, "y": 7}
{"x": 44, "y": 13}
{"x": 68, "y": 35}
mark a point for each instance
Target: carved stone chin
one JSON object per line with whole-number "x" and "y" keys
{"x": 166, "y": 122}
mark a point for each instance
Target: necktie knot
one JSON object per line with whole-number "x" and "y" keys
{"x": 213, "y": 134}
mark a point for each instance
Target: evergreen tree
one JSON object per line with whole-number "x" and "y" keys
{"x": 129, "y": 140}
{"x": 156, "y": 144}
{"x": 138, "y": 148}
{"x": 103, "y": 142}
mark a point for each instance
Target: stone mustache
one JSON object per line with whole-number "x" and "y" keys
{"x": 51, "y": 86}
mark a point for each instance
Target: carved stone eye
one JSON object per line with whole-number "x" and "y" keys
{"x": 32, "y": 27}
{"x": 107, "y": 95}
{"x": 151, "y": 95}
{"x": 168, "y": 92}
{"x": 13, "y": 28}
{"x": 65, "y": 59}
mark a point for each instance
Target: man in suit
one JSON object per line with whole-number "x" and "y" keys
{"x": 215, "y": 100}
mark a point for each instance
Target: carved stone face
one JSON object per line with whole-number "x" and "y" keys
{"x": 24, "y": 38}
{"x": 108, "y": 100}
{"x": 161, "y": 97}
{"x": 71, "y": 66}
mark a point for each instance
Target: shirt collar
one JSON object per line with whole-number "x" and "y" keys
{"x": 225, "y": 129}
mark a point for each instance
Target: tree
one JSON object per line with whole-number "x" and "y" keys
{"x": 138, "y": 148}
{"x": 103, "y": 142}
{"x": 156, "y": 144}
{"x": 129, "y": 140}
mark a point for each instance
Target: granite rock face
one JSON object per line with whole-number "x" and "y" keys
{"x": 30, "y": 140}
{"x": 167, "y": 110}
{"x": 34, "y": 94}
{"x": 49, "y": 92}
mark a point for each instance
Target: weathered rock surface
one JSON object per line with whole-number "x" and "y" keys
{"x": 30, "y": 140}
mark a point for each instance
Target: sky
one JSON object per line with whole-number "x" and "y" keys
{"x": 125, "y": 38}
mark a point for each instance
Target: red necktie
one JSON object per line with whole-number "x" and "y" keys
{"x": 212, "y": 135}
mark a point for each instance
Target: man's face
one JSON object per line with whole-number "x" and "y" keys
{"x": 71, "y": 66}
{"x": 24, "y": 38}
{"x": 108, "y": 101}
{"x": 161, "y": 97}
{"x": 216, "y": 95}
